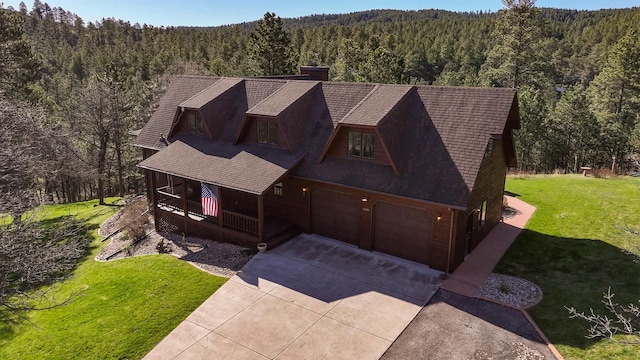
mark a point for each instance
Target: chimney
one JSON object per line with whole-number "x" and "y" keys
{"x": 315, "y": 72}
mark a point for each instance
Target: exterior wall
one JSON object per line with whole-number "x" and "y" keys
{"x": 238, "y": 201}
{"x": 340, "y": 144}
{"x": 459, "y": 246}
{"x": 147, "y": 176}
{"x": 292, "y": 206}
{"x": 490, "y": 187}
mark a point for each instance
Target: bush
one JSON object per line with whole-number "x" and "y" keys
{"x": 135, "y": 220}
{"x": 163, "y": 247}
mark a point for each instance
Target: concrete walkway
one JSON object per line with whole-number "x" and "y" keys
{"x": 472, "y": 273}
{"x": 311, "y": 298}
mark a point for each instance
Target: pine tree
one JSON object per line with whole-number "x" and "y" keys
{"x": 19, "y": 66}
{"x": 516, "y": 58}
{"x": 270, "y": 47}
{"x": 615, "y": 94}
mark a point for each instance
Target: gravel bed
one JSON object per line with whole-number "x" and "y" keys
{"x": 214, "y": 257}
{"x": 510, "y": 290}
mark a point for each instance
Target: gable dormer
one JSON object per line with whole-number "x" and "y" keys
{"x": 281, "y": 119}
{"x": 207, "y": 112}
{"x": 361, "y": 133}
{"x": 190, "y": 122}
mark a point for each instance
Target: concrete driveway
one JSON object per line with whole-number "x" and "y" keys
{"x": 311, "y": 298}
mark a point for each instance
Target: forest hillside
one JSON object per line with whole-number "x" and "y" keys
{"x": 86, "y": 85}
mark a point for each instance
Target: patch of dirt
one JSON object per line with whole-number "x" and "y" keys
{"x": 214, "y": 257}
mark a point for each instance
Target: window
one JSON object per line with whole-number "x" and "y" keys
{"x": 361, "y": 144}
{"x": 195, "y": 124}
{"x": 482, "y": 213}
{"x": 267, "y": 132}
{"x": 277, "y": 189}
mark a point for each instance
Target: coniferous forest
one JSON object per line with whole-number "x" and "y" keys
{"x": 72, "y": 91}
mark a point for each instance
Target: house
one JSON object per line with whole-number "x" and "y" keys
{"x": 413, "y": 171}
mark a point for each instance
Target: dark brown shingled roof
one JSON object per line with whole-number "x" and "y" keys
{"x": 465, "y": 118}
{"x": 180, "y": 89}
{"x": 341, "y": 98}
{"x": 205, "y": 96}
{"x": 251, "y": 169}
{"x": 259, "y": 89}
{"x": 283, "y": 98}
{"x": 436, "y": 136}
{"x": 376, "y": 105}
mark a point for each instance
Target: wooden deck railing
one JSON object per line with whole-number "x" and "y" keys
{"x": 195, "y": 208}
{"x": 240, "y": 222}
{"x": 169, "y": 200}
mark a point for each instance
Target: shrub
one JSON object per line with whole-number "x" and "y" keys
{"x": 163, "y": 247}
{"x": 135, "y": 220}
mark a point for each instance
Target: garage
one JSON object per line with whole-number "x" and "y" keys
{"x": 335, "y": 215}
{"x": 402, "y": 231}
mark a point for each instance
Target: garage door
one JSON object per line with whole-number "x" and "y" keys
{"x": 335, "y": 215}
{"x": 402, "y": 231}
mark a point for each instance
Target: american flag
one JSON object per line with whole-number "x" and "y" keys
{"x": 209, "y": 200}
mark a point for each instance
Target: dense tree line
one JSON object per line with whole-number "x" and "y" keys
{"x": 90, "y": 84}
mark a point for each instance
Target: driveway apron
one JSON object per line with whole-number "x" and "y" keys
{"x": 311, "y": 298}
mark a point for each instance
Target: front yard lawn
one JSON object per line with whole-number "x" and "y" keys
{"x": 122, "y": 308}
{"x": 571, "y": 248}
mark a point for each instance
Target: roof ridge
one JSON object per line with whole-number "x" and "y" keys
{"x": 375, "y": 88}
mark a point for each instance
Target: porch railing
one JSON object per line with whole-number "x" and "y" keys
{"x": 230, "y": 219}
{"x": 240, "y": 222}
{"x": 195, "y": 209}
{"x": 168, "y": 200}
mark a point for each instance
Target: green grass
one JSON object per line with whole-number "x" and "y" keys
{"x": 123, "y": 308}
{"x": 571, "y": 248}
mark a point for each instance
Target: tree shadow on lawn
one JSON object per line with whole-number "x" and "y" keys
{"x": 40, "y": 294}
{"x": 573, "y": 273}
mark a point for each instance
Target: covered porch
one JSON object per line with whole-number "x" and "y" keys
{"x": 240, "y": 180}
{"x": 239, "y": 215}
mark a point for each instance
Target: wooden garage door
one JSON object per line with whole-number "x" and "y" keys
{"x": 334, "y": 215}
{"x": 402, "y": 231}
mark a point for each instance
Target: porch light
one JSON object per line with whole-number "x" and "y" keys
{"x": 365, "y": 199}
{"x": 439, "y": 217}
{"x": 305, "y": 190}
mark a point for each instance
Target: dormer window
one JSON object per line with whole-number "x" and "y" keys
{"x": 361, "y": 144}
{"x": 267, "y": 132}
{"x": 196, "y": 126}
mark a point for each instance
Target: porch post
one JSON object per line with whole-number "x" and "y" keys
{"x": 184, "y": 198}
{"x": 220, "y": 208}
{"x": 154, "y": 198}
{"x": 184, "y": 205}
{"x": 261, "y": 217}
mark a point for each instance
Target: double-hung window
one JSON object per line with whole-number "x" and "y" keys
{"x": 361, "y": 144}
{"x": 195, "y": 124}
{"x": 267, "y": 132}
